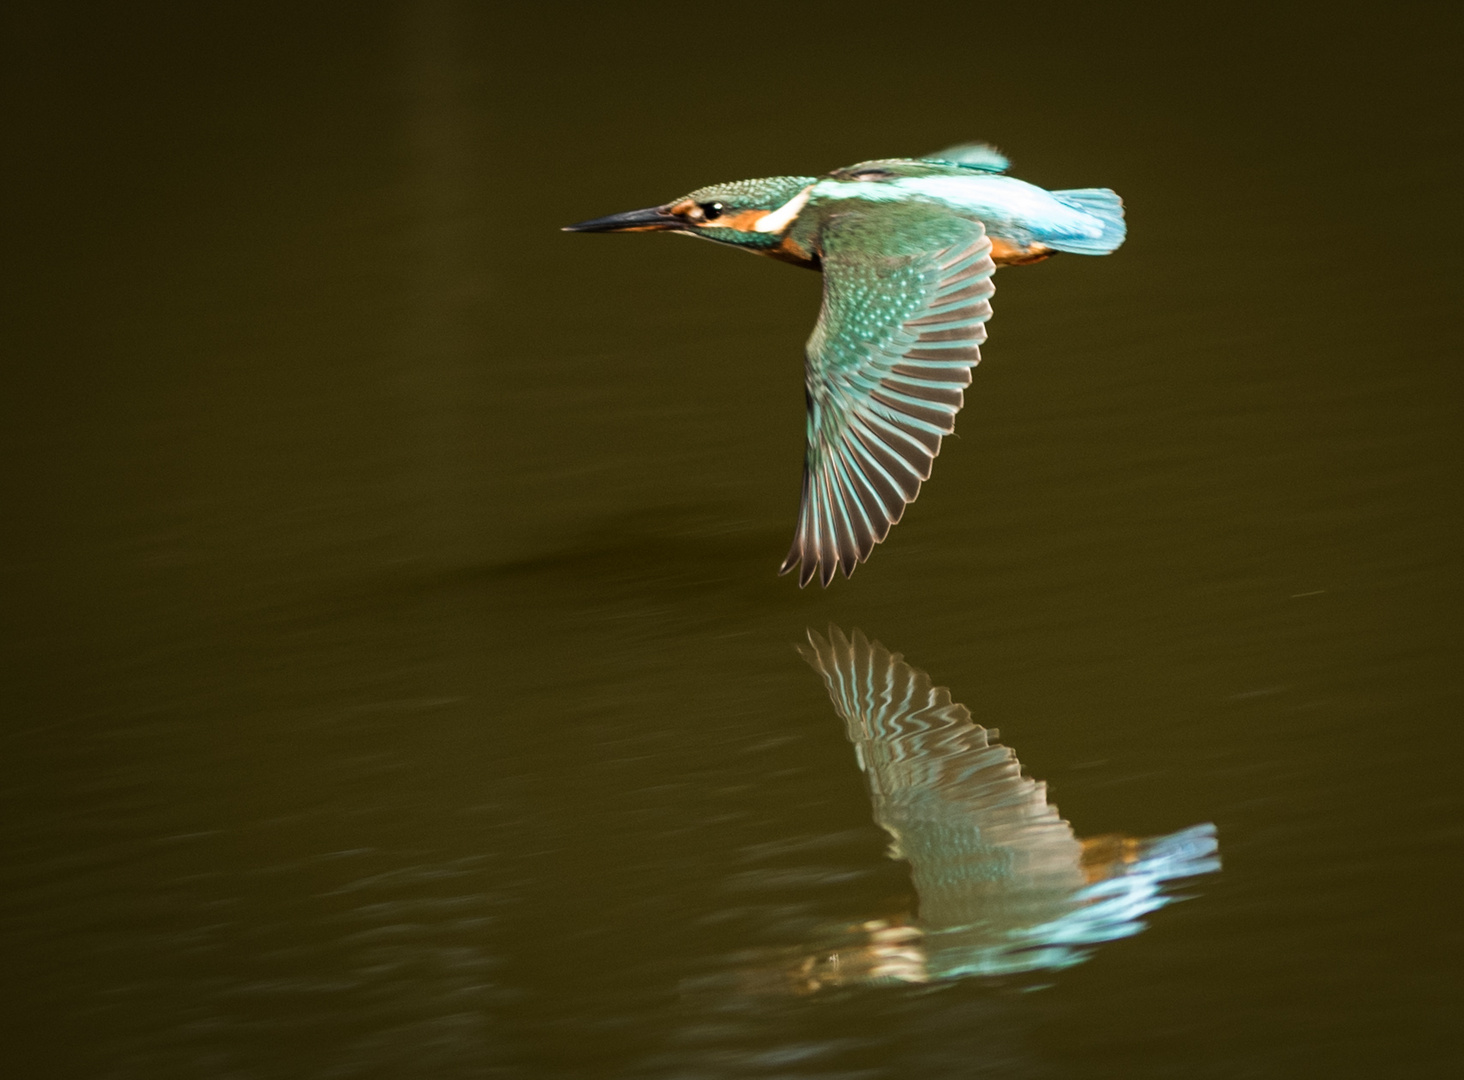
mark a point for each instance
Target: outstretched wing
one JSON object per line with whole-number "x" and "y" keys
{"x": 1004, "y": 886}
{"x": 906, "y": 297}
{"x": 980, "y": 837}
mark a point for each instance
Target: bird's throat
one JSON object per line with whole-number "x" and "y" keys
{"x": 791, "y": 251}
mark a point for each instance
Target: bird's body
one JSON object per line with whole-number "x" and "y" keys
{"x": 907, "y": 248}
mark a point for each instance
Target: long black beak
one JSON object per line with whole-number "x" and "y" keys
{"x": 652, "y": 219}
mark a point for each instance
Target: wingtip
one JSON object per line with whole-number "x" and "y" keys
{"x": 805, "y": 571}
{"x": 790, "y": 560}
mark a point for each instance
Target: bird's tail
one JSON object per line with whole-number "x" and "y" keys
{"x": 1101, "y": 203}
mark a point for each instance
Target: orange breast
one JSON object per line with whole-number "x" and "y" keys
{"x": 1006, "y": 253}
{"x": 789, "y": 251}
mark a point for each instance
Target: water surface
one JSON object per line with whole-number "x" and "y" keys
{"x": 397, "y": 679}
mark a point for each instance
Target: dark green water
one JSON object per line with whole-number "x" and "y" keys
{"x": 396, "y": 679}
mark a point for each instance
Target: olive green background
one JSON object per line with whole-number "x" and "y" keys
{"x": 396, "y": 681}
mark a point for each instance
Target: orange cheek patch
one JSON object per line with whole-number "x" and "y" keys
{"x": 743, "y": 222}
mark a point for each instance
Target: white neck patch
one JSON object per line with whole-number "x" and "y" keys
{"x": 783, "y": 216}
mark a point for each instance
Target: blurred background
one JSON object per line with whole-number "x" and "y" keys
{"x": 396, "y": 680}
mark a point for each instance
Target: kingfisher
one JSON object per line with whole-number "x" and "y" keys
{"x": 907, "y": 248}
{"x": 1003, "y": 884}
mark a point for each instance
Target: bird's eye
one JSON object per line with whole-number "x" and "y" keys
{"x": 711, "y": 210}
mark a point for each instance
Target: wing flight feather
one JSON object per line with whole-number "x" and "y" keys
{"x": 885, "y": 370}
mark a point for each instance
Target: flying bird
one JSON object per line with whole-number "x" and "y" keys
{"x": 1003, "y": 885}
{"x": 907, "y": 247}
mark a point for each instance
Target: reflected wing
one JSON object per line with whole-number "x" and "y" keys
{"x": 973, "y": 155}
{"x": 1003, "y": 884}
{"x": 906, "y": 298}
{"x": 983, "y": 844}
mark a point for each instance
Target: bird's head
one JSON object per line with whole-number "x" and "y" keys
{"x": 753, "y": 214}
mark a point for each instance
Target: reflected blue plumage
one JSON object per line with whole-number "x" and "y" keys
{"x": 1003, "y": 883}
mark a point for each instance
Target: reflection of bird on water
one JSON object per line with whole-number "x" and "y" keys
{"x": 1003, "y": 884}
{"x": 907, "y": 248}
